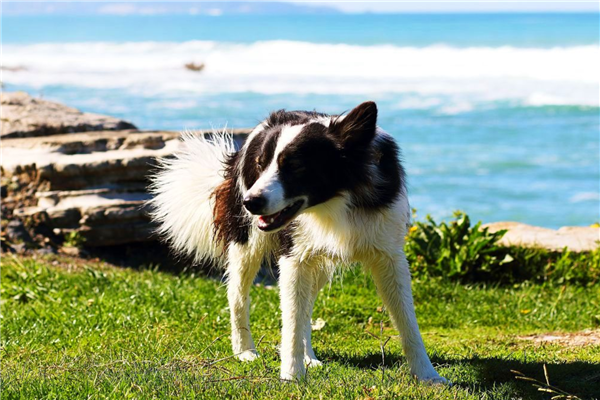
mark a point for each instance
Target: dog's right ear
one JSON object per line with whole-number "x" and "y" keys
{"x": 358, "y": 127}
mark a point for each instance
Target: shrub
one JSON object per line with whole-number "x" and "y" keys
{"x": 74, "y": 239}
{"x": 466, "y": 253}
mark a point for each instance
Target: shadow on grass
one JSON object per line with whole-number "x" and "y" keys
{"x": 158, "y": 255}
{"x": 578, "y": 378}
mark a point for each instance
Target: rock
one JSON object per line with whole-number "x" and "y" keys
{"x": 44, "y": 251}
{"x": 19, "y": 248}
{"x": 194, "y": 67}
{"x": 76, "y": 161}
{"x": 26, "y": 116}
{"x": 73, "y": 251}
{"x": 576, "y": 239}
{"x": 16, "y": 232}
{"x": 92, "y": 183}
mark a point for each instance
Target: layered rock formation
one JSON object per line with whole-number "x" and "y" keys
{"x": 25, "y": 116}
{"x": 89, "y": 183}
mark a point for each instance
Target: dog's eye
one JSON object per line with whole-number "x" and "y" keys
{"x": 258, "y": 163}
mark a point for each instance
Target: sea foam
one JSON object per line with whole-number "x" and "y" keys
{"x": 532, "y": 76}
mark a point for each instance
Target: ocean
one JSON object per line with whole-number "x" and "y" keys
{"x": 497, "y": 114}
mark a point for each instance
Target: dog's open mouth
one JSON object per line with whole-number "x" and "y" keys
{"x": 274, "y": 221}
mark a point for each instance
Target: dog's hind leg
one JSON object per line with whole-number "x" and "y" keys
{"x": 296, "y": 283}
{"x": 241, "y": 269}
{"x": 321, "y": 278}
{"x": 392, "y": 278}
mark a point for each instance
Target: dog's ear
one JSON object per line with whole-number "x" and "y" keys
{"x": 358, "y": 127}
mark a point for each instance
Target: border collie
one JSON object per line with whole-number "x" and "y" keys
{"x": 309, "y": 190}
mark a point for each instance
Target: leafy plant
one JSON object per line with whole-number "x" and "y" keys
{"x": 456, "y": 250}
{"x": 470, "y": 253}
{"x": 74, "y": 239}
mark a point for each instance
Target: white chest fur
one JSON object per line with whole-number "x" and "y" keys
{"x": 345, "y": 234}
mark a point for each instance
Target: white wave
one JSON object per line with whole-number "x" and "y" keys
{"x": 545, "y": 99}
{"x": 535, "y": 76}
{"x": 457, "y": 108}
{"x": 584, "y": 196}
{"x": 418, "y": 103}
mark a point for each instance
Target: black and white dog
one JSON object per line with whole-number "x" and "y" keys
{"x": 310, "y": 190}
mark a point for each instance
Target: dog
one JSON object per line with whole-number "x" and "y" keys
{"x": 309, "y": 190}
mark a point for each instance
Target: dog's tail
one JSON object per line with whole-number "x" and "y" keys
{"x": 183, "y": 202}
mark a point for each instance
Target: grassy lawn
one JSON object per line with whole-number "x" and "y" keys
{"x": 75, "y": 329}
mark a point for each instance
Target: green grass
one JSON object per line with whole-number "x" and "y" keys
{"x": 72, "y": 329}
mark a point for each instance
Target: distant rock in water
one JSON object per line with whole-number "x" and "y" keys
{"x": 13, "y": 69}
{"x": 194, "y": 67}
{"x": 26, "y": 116}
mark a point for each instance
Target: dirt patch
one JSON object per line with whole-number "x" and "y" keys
{"x": 587, "y": 337}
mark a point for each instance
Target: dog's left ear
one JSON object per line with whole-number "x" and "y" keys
{"x": 358, "y": 127}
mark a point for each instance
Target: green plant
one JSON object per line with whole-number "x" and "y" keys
{"x": 565, "y": 267}
{"x": 466, "y": 253}
{"x": 74, "y": 239}
{"x": 456, "y": 250}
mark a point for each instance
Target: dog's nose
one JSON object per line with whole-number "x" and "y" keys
{"x": 254, "y": 204}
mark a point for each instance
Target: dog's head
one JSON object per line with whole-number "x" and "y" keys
{"x": 296, "y": 160}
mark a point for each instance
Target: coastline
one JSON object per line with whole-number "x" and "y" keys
{"x": 87, "y": 178}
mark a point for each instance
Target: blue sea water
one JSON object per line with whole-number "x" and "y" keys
{"x": 522, "y": 30}
{"x": 497, "y": 114}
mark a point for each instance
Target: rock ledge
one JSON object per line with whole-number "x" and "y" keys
{"x": 26, "y": 116}
{"x": 575, "y": 238}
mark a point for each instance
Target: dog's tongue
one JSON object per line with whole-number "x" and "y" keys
{"x": 277, "y": 220}
{"x": 266, "y": 220}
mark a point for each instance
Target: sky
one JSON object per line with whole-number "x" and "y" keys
{"x": 295, "y": 6}
{"x": 459, "y": 6}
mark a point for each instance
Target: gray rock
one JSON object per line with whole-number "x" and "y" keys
{"x": 44, "y": 251}
{"x": 575, "y": 238}
{"x": 19, "y": 248}
{"x": 26, "y": 116}
{"x": 16, "y": 232}
{"x": 93, "y": 183}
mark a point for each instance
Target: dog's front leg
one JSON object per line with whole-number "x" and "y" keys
{"x": 392, "y": 278}
{"x": 296, "y": 290}
{"x": 321, "y": 278}
{"x": 241, "y": 270}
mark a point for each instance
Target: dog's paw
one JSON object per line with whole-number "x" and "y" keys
{"x": 292, "y": 376}
{"x": 247, "y": 355}
{"x": 435, "y": 380}
{"x": 311, "y": 362}
{"x": 289, "y": 377}
{"x": 293, "y": 370}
